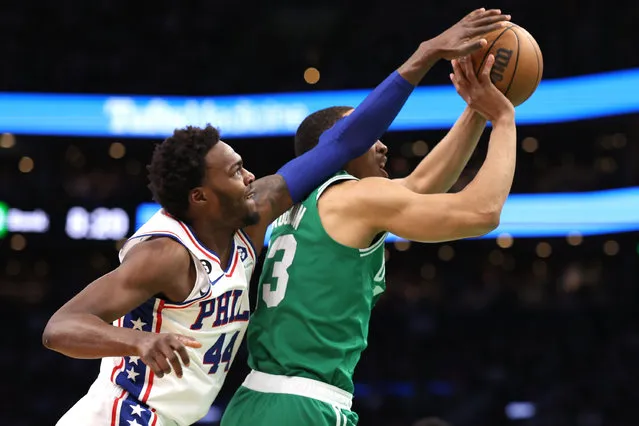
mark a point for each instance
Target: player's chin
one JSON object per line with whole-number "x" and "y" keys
{"x": 252, "y": 216}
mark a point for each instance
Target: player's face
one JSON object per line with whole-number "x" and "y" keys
{"x": 371, "y": 164}
{"x": 228, "y": 188}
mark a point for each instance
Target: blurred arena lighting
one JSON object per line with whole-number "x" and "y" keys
{"x": 540, "y": 215}
{"x": 530, "y": 144}
{"x": 543, "y": 249}
{"x": 4, "y": 219}
{"x": 520, "y": 410}
{"x": 25, "y": 165}
{"x": 117, "y": 150}
{"x": 574, "y": 238}
{"x": 446, "y": 253}
{"x": 505, "y": 240}
{"x": 611, "y": 247}
{"x": 7, "y": 140}
{"x": 279, "y": 114}
{"x": 311, "y": 75}
{"x": 18, "y": 242}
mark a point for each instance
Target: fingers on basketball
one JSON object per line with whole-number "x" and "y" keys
{"x": 484, "y": 75}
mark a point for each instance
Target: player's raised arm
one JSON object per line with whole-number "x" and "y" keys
{"x": 441, "y": 168}
{"x": 355, "y": 134}
{"x": 383, "y": 205}
{"x": 82, "y": 327}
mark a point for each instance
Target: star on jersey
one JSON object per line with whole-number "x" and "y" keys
{"x": 138, "y": 324}
{"x": 133, "y": 423}
{"x": 137, "y": 410}
{"x": 131, "y": 374}
{"x": 134, "y": 359}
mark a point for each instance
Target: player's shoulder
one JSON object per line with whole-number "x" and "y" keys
{"x": 360, "y": 187}
{"x": 348, "y": 193}
{"x": 160, "y": 252}
{"x": 366, "y": 197}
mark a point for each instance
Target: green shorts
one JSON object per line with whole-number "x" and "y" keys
{"x": 249, "y": 407}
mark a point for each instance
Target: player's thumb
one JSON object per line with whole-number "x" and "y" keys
{"x": 189, "y": 341}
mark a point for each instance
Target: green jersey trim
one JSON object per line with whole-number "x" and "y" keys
{"x": 369, "y": 250}
{"x": 331, "y": 181}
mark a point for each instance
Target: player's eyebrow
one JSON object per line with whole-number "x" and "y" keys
{"x": 237, "y": 165}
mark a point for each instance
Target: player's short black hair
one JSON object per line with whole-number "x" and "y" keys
{"x": 309, "y": 132}
{"x": 178, "y": 166}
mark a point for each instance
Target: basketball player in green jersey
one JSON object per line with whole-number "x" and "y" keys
{"x": 324, "y": 268}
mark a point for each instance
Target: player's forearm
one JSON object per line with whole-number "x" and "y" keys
{"x": 441, "y": 168}
{"x": 487, "y": 193}
{"x": 348, "y": 138}
{"x": 87, "y": 336}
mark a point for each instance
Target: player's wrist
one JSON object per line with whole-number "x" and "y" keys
{"x": 422, "y": 60}
{"x": 506, "y": 117}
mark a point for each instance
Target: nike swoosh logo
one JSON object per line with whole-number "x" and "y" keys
{"x": 377, "y": 290}
{"x": 204, "y": 291}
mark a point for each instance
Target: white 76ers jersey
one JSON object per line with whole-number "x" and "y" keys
{"x": 216, "y": 314}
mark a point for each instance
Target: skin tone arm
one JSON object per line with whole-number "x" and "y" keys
{"x": 441, "y": 168}
{"x": 82, "y": 327}
{"x": 272, "y": 196}
{"x": 374, "y": 205}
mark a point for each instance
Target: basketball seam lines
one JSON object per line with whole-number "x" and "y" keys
{"x": 481, "y": 64}
{"x": 516, "y": 63}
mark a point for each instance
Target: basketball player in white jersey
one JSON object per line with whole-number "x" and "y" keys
{"x": 168, "y": 321}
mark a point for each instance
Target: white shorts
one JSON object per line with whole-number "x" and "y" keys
{"x": 109, "y": 405}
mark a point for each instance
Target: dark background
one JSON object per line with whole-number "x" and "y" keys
{"x": 458, "y": 337}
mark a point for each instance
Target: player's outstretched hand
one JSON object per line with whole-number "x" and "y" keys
{"x": 462, "y": 38}
{"x": 160, "y": 352}
{"x": 479, "y": 92}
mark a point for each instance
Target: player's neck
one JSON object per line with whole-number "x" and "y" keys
{"x": 215, "y": 238}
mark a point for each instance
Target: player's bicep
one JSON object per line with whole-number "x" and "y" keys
{"x": 272, "y": 199}
{"x": 146, "y": 271}
{"x": 388, "y": 206}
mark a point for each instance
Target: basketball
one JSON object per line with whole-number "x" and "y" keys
{"x": 519, "y": 64}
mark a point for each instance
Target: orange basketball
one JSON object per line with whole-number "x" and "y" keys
{"x": 519, "y": 64}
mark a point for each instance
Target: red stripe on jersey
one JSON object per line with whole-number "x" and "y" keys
{"x": 114, "y": 411}
{"x": 198, "y": 245}
{"x": 158, "y": 326}
{"x": 235, "y": 259}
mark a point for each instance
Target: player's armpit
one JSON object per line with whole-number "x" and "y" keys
{"x": 82, "y": 327}
{"x": 272, "y": 199}
{"x": 383, "y": 205}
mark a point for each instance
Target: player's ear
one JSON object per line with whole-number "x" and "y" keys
{"x": 197, "y": 195}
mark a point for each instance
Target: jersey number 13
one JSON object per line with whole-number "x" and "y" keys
{"x": 287, "y": 244}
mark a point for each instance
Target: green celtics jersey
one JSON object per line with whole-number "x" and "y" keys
{"x": 314, "y": 299}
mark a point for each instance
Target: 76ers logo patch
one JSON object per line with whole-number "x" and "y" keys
{"x": 207, "y": 265}
{"x": 243, "y": 253}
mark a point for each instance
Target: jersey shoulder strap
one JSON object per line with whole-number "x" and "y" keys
{"x": 342, "y": 176}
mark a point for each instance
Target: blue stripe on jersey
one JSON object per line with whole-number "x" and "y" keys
{"x": 133, "y": 412}
{"x": 132, "y": 377}
{"x": 249, "y": 241}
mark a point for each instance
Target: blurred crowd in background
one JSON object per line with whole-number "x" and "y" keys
{"x": 535, "y": 332}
